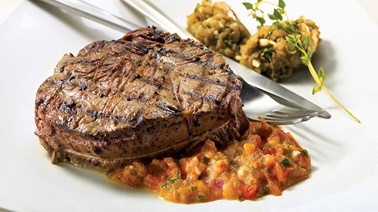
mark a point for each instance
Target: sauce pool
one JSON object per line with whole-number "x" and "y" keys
{"x": 266, "y": 161}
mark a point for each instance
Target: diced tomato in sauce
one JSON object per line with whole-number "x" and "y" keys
{"x": 266, "y": 161}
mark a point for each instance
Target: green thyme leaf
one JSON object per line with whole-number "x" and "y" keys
{"x": 309, "y": 53}
{"x": 305, "y": 60}
{"x": 272, "y": 17}
{"x": 277, "y": 24}
{"x": 321, "y": 74}
{"x": 278, "y": 15}
{"x": 281, "y": 4}
{"x": 316, "y": 89}
{"x": 290, "y": 41}
{"x": 297, "y": 37}
{"x": 288, "y": 27}
{"x": 248, "y": 5}
{"x": 260, "y": 20}
{"x": 306, "y": 42}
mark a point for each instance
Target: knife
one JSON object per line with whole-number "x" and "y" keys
{"x": 273, "y": 89}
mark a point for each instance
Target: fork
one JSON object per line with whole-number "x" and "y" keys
{"x": 257, "y": 103}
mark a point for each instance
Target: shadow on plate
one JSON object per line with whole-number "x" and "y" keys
{"x": 323, "y": 57}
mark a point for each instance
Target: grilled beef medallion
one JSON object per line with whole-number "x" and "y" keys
{"x": 147, "y": 94}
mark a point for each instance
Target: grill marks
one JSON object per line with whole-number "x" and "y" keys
{"x": 123, "y": 71}
{"x": 146, "y": 94}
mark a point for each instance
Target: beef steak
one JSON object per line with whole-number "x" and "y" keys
{"x": 146, "y": 94}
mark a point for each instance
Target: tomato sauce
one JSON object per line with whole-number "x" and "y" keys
{"x": 266, "y": 161}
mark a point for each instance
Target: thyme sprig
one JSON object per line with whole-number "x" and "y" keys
{"x": 293, "y": 38}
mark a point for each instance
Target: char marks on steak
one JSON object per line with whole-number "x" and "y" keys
{"x": 147, "y": 94}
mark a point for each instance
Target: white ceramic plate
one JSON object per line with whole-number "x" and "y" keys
{"x": 344, "y": 153}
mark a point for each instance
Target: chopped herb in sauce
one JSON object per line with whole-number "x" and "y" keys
{"x": 209, "y": 173}
{"x": 286, "y": 163}
{"x": 165, "y": 185}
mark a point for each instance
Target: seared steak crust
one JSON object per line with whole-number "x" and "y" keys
{"x": 146, "y": 94}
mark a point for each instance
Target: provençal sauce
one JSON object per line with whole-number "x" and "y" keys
{"x": 266, "y": 161}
